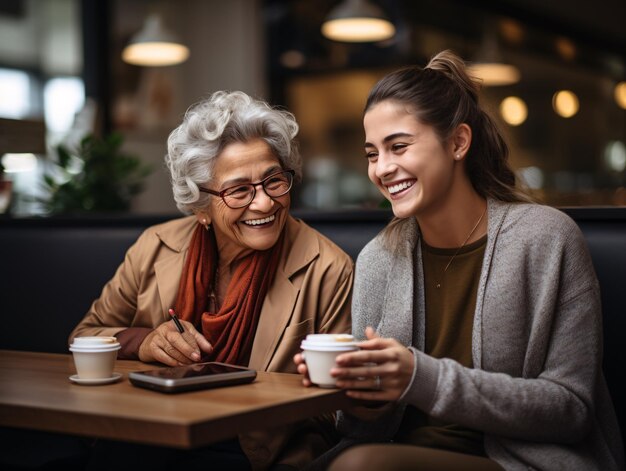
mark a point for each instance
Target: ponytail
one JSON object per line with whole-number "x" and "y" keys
{"x": 453, "y": 67}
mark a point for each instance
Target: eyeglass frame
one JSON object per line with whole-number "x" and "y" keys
{"x": 254, "y": 185}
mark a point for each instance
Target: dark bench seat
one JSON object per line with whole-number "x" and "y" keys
{"x": 51, "y": 269}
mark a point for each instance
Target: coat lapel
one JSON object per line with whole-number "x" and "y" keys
{"x": 166, "y": 283}
{"x": 276, "y": 312}
{"x": 168, "y": 268}
{"x": 280, "y": 301}
{"x": 497, "y": 212}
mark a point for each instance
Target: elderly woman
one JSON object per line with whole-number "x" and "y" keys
{"x": 247, "y": 280}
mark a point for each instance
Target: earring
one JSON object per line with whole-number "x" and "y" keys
{"x": 206, "y": 225}
{"x": 457, "y": 156}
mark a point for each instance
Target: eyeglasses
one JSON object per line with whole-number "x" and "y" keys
{"x": 275, "y": 185}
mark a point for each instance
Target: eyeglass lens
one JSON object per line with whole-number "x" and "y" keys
{"x": 274, "y": 186}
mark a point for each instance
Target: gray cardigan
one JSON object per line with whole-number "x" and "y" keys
{"x": 536, "y": 390}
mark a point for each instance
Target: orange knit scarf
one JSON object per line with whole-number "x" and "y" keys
{"x": 231, "y": 330}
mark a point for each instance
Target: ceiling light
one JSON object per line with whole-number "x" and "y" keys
{"x": 620, "y": 94}
{"x": 489, "y": 66}
{"x": 154, "y": 45}
{"x": 493, "y": 74}
{"x": 565, "y": 103}
{"x": 357, "y": 21}
{"x": 513, "y": 110}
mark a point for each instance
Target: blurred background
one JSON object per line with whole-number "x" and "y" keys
{"x": 558, "y": 89}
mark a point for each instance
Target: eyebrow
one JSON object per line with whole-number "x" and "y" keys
{"x": 390, "y": 137}
{"x": 242, "y": 180}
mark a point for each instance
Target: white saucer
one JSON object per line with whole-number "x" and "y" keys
{"x": 112, "y": 379}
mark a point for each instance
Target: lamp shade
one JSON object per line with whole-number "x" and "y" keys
{"x": 154, "y": 45}
{"x": 489, "y": 66}
{"x": 495, "y": 73}
{"x": 357, "y": 21}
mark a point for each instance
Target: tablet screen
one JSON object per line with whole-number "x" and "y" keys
{"x": 190, "y": 371}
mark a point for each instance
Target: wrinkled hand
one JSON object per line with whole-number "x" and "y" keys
{"x": 298, "y": 359}
{"x": 384, "y": 358}
{"x": 166, "y": 345}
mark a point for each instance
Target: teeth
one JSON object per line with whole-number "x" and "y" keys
{"x": 256, "y": 222}
{"x": 399, "y": 187}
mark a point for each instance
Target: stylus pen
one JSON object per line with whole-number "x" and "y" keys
{"x": 179, "y": 326}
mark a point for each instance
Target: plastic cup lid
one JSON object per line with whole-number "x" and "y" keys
{"x": 330, "y": 338}
{"x": 329, "y": 342}
{"x": 95, "y": 349}
{"x": 95, "y": 344}
{"x": 94, "y": 341}
{"x": 328, "y": 348}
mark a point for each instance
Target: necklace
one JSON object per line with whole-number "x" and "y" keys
{"x": 463, "y": 245}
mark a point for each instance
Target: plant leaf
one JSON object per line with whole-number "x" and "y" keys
{"x": 107, "y": 182}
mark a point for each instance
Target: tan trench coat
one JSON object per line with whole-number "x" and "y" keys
{"x": 311, "y": 293}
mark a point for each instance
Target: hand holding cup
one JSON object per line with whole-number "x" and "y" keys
{"x": 318, "y": 357}
{"x": 380, "y": 371}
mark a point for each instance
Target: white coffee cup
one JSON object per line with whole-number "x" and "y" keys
{"x": 94, "y": 357}
{"x": 320, "y": 351}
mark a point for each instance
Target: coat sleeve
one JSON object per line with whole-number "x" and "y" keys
{"x": 116, "y": 307}
{"x": 378, "y": 422}
{"x": 372, "y": 270}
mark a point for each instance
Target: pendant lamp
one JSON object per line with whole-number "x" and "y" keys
{"x": 154, "y": 45}
{"x": 357, "y": 21}
{"x": 489, "y": 66}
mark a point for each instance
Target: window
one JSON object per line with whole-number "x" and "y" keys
{"x": 15, "y": 94}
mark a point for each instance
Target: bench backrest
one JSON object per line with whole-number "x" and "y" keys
{"x": 51, "y": 269}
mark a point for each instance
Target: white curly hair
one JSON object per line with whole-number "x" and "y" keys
{"x": 212, "y": 124}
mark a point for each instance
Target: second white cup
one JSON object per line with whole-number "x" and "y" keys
{"x": 320, "y": 352}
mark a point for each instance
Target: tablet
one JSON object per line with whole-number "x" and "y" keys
{"x": 191, "y": 377}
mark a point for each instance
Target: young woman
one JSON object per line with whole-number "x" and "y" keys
{"x": 495, "y": 298}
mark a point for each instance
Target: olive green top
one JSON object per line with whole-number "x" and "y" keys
{"x": 450, "y": 296}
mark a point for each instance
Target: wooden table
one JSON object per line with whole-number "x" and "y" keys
{"x": 36, "y": 393}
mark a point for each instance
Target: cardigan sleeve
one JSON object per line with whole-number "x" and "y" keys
{"x": 378, "y": 422}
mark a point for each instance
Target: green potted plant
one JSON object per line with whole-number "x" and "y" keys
{"x": 97, "y": 176}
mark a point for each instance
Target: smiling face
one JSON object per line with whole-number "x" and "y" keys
{"x": 258, "y": 225}
{"x": 407, "y": 161}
